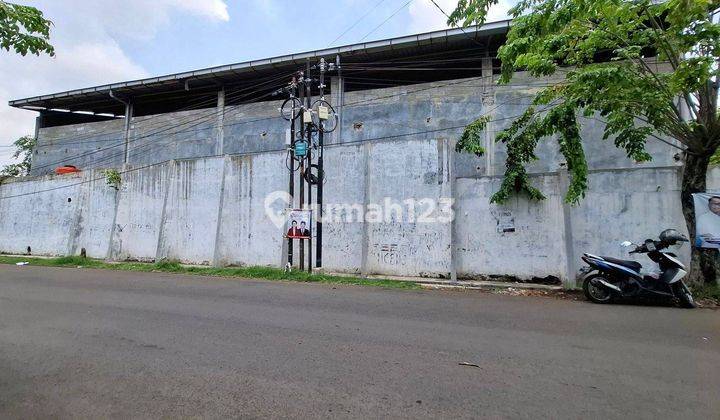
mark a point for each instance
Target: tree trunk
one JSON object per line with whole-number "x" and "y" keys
{"x": 704, "y": 263}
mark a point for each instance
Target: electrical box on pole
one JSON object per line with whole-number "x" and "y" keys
{"x": 309, "y": 121}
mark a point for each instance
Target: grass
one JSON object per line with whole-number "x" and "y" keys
{"x": 707, "y": 291}
{"x": 266, "y": 273}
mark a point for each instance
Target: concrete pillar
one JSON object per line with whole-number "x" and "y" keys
{"x": 570, "y": 263}
{"x": 172, "y": 174}
{"x": 488, "y": 99}
{"x": 39, "y": 121}
{"x": 487, "y": 68}
{"x": 337, "y": 99}
{"x": 216, "y": 252}
{"x": 114, "y": 246}
{"x": 366, "y": 198}
{"x": 128, "y": 121}
{"x": 451, "y": 180}
{"x": 489, "y": 109}
{"x": 80, "y": 201}
{"x": 220, "y": 129}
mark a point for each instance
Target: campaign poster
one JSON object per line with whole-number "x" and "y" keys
{"x": 299, "y": 223}
{"x": 707, "y": 220}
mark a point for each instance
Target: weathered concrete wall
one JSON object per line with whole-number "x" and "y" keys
{"x": 87, "y": 146}
{"x": 213, "y": 211}
{"x": 408, "y": 245}
{"x": 246, "y": 236}
{"x": 188, "y": 194}
{"x": 534, "y": 249}
{"x": 139, "y": 214}
{"x": 345, "y": 242}
{"x": 190, "y": 213}
{"x": 625, "y": 205}
{"x": 417, "y": 112}
{"x": 56, "y": 215}
{"x": 94, "y": 217}
{"x": 177, "y": 135}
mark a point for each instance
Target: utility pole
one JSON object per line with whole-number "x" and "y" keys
{"x": 291, "y": 142}
{"x": 301, "y": 105}
{"x": 308, "y": 86}
{"x": 320, "y": 176}
{"x": 303, "y": 113}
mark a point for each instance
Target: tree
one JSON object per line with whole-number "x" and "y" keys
{"x": 25, "y": 146}
{"x": 610, "y": 50}
{"x": 24, "y": 29}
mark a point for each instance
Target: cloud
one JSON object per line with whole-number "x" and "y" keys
{"x": 83, "y": 64}
{"x": 87, "y": 37}
{"x": 137, "y": 19}
{"x": 425, "y": 16}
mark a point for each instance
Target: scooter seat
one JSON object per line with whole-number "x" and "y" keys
{"x": 633, "y": 265}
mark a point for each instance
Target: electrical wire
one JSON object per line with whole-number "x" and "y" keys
{"x": 347, "y": 105}
{"x": 387, "y": 137}
{"x": 169, "y": 125}
{"x": 262, "y": 119}
{"x": 194, "y": 106}
{"x": 212, "y": 115}
{"x": 210, "y": 111}
{"x": 461, "y": 28}
{"x": 357, "y": 103}
{"x": 357, "y": 21}
{"x": 150, "y": 145}
{"x": 387, "y": 19}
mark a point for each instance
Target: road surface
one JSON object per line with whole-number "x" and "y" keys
{"x": 91, "y": 343}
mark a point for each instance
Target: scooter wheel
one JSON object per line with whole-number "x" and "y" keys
{"x": 596, "y": 292}
{"x": 684, "y": 295}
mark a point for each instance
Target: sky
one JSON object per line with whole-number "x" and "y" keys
{"x": 106, "y": 41}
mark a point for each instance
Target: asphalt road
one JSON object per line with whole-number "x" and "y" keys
{"x": 89, "y": 343}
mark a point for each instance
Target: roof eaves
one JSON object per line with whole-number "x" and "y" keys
{"x": 254, "y": 65}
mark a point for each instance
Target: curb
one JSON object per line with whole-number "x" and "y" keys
{"x": 430, "y": 283}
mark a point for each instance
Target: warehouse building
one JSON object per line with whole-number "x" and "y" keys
{"x": 199, "y": 153}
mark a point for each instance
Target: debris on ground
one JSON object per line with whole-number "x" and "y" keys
{"x": 562, "y": 294}
{"x": 22, "y": 263}
{"x": 578, "y": 295}
{"x": 707, "y": 303}
{"x": 468, "y": 364}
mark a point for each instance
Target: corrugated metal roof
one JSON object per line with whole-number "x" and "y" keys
{"x": 394, "y": 47}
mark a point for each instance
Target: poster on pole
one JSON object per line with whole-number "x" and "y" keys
{"x": 298, "y": 224}
{"x": 707, "y": 220}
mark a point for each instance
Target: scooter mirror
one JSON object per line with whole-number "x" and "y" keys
{"x": 626, "y": 244}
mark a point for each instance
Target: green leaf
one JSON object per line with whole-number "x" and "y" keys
{"x": 638, "y": 66}
{"x": 24, "y": 29}
{"x": 24, "y": 149}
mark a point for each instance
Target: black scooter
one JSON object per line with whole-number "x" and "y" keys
{"x": 608, "y": 278}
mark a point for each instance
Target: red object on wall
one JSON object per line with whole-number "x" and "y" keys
{"x": 67, "y": 169}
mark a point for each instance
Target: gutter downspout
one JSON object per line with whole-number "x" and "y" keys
{"x": 128, "y": 119}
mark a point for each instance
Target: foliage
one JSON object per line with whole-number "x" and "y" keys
{"x": 635, "y": 65}
{"x": 715, "y": 159}
{"x": 113, "y": 178}
{"x": 707, "y": 291}
{"x": 24, "y": 148}
{"x": 24, "y": 29}
{"x": 167, "y": 266}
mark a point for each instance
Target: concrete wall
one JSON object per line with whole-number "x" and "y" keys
{"x": 195, "y": 191}
{"x": 212, "y": 210}
{"x": 87, "y": 146}
{"x": 429, "y": 110}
